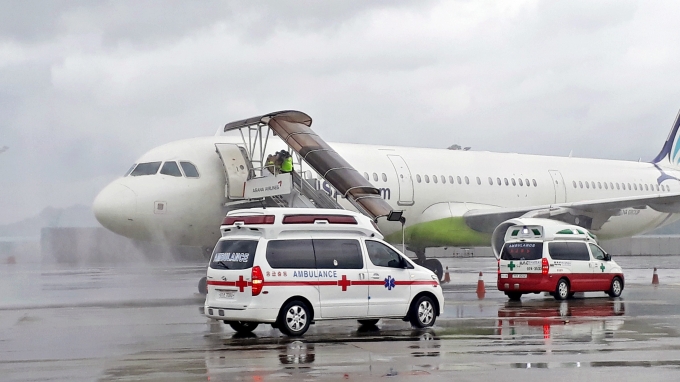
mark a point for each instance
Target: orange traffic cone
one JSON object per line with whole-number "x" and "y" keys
{"x": 655, "y": 278}
{"x": 447, "y": 277}
{"x": 480, "y": 287}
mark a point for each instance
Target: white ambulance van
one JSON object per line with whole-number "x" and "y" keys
{"x": 290, "y": 267}
{"x": 542, "y": 255}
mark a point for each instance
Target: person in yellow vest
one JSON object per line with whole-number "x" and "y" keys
{"x": 270, "y": 166}
{"x": 287, "y": 163}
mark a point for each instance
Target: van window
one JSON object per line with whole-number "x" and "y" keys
{"x": 522, "y": 251}
{"x": 568, "y": 251}
{"x": 338, "y": 254}
{"x": 291, "y": 254}
{"x": 233, "y": 254}
{"x": 383, "y": 256}
{"x": 598, "y": 253}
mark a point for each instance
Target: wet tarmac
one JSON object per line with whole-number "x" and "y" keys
{"x": 145, "y": 323}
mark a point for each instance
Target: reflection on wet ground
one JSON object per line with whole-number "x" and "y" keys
{"x": 147, "y": 324}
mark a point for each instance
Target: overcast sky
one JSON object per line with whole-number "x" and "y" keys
{"x": 87, "y": 87}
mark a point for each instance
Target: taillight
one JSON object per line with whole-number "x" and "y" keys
{"x": 255, "y": 219}
{"x": 498, "y": 262}
{"x": 258, "y": 280}
{"x": 545, "y": 266}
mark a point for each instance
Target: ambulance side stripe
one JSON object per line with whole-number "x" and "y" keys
{"x": 323, "y": 283}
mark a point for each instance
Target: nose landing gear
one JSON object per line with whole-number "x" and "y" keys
{"x": 432, "y": 264}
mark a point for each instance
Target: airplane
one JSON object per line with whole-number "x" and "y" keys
{"x": 178, "y": 193}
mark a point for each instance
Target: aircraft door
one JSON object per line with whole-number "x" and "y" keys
{"x": 236, "y": 169}
{"x": 404, "y": 180}
{"x": 559, "y": 186}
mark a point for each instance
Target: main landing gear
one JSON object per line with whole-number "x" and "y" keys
{"x": 432, "y": 264}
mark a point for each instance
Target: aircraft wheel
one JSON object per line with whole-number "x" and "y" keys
{"x": 203, "y": 286}
{"x": 435, "y": 266}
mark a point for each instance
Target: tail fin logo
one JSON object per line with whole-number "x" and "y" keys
{"x": 671, "y": 148}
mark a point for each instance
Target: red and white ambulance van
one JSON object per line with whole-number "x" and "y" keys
{"x": 290, "y": 267}
{"x": 543, "y": 255}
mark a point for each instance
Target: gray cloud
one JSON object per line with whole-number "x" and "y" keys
{"x": 87, "y": 87}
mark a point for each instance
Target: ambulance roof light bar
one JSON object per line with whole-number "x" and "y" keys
{"x": 318, "y": 219}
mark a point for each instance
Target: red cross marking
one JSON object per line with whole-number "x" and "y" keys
{"x": 344, "y": 283}
{"x": 241, "y": 283}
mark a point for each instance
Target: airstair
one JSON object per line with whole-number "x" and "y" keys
{"x": 252, "y": 182}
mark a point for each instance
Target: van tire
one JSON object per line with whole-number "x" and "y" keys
{"x": 368, "y": 322}
{"x": 242, "y": 326}
{"x": 294, "y": 318}
{"x": 514, "y": 296}
{"x": 562, "y": 290}
{"x": 422, "y": 312}
{"x": 616, "y": 287}
{"x": 203, "y": 286}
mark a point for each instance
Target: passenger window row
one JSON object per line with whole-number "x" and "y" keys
{"x": 451, "y": 180}
{"x": 383, "y": 176}
{"x": 169, "y": 168}
{"x": 527, "y": 182}
{"x": 620, "y": 186}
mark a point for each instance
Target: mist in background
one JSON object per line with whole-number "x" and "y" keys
{"x": 87, "y": 87}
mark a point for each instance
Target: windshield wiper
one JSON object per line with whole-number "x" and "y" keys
{"x": 222, "y": 263}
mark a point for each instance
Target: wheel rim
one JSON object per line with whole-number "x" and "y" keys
{"x": 563, "y": 290}
{"x": 616, "y": 288}
{"x": 296, "y": 318}
{"x": 425, "y": 312}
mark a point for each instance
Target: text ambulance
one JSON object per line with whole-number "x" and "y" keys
{"x": 542, "y": 255}
{"x": 290, "y": 267}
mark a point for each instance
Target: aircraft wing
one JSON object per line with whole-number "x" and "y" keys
{"x": 590, "y": 214}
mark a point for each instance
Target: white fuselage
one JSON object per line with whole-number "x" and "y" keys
{"x": 194, "y": 207}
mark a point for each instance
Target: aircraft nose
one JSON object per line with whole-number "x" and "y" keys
{"x": 115, "y": 207}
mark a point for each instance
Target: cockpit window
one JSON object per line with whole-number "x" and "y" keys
{"x": 149, "y": 168}
{"x": 189, "y": 169}
{"x": 130, "y": 170}
{"x": 171, "y": 168}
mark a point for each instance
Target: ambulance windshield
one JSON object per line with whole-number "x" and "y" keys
{"x": 233, "y": 254}
{"x": 522, "y": 251}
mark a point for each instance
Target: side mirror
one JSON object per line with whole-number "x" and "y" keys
{"x": 607, "y": 257}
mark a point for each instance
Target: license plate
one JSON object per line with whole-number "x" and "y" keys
{"x": 226, "y": 294}
{"x": 519, "y": 276}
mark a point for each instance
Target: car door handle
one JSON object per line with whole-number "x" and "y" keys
{"x": 375, "y": 276}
